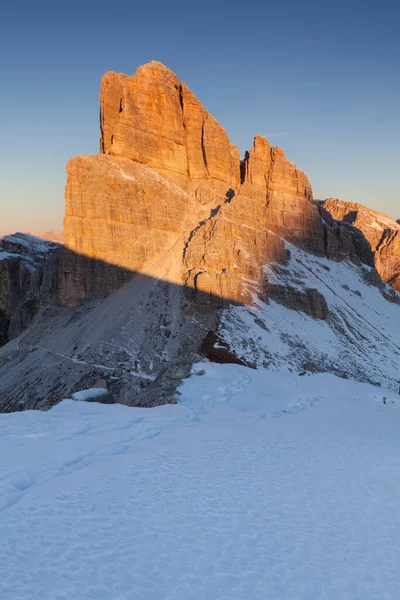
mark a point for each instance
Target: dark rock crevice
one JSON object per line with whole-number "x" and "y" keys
{"x": 203, "y": 147}
{"x": 102, "y": 144}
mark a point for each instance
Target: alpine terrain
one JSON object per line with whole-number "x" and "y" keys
{"x": 201, "y": 376}
{"x": 177, "y": 249}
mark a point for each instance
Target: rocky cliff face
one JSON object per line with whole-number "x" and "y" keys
{"x": 167, "y": 174}
{"x": 22, "y": 258}
{"x": 177, "y": 249}
{"x": 165, "y": 163}
{"x": 382, "y": 233}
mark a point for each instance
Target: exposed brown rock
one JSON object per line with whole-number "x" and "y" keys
{"x": 77, "y": 278}
{"x": 225, "y": 254}
{"x": 210, "y": 154}
{"x": 382, "y": 233}
{"x": 168, "y": 176}
{"x": 154, "y": 119}
{"x": 167, "y": 167}
{"x": 123, "y": 212}
{"x": 272, "y": 179}
{"x": 141, "y": 118}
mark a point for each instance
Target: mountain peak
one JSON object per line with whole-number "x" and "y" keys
{"x": 175, "y": 249}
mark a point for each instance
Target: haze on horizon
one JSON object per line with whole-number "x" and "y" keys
{"x": 320, "y": 81}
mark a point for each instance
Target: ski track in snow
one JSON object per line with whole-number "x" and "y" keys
{"x": 257, "y": 485}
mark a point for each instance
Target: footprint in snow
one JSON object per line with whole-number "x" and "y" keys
{"x": 292, "y": 409}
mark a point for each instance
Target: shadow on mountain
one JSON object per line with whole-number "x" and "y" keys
{"x": 78, "y": 322}
{"x": 74, "y": 322}
{"x": 68, "y": 279}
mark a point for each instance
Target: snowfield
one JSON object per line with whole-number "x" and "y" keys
{"x": 258, "y": 485}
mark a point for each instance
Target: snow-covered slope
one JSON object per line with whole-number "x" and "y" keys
{"x": 144, "y": 322}
{"x": 257, "y": 485}
{"x": 359, "y": 338}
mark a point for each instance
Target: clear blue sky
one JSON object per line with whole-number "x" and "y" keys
{"x": 322, "y": 80}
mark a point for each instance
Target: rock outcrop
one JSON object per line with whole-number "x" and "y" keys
{"x": 309, "y": 301}
{"x": 167, "y": 174}
{"x": 154, "y": 119}
{"x": 165, "y": 227}
{"x": 382, "y": 233}
{"x": 22, "y": 258}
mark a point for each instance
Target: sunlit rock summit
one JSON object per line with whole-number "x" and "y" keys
{"x": 168, "y": 175}
{"x": 177, "y": 250}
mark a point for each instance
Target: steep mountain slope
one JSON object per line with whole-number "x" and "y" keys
{"x": 319, "y": 315}
{"x": 311, "y": 314}
{"x": 174, "y": 247}
{"x": 382, "y": 233}
{"x": 22, "y": 258}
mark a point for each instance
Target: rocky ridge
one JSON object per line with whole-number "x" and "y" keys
{"x": 167, "y": 173}
{"x": 382, "y": 233}
{"x": 169, "y": 238}
{"x": 23, "y": 280}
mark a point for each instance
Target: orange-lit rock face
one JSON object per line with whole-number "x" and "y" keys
{"x": 168, "y": 175}
{"x": 122, "y": 212}
{"x": 228, "y": 251}
{"x": 287, "y": 193}
{"x": 141, "y": 118}
{"x": 154, "y": 119}
{"x": 382, "y": 233}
